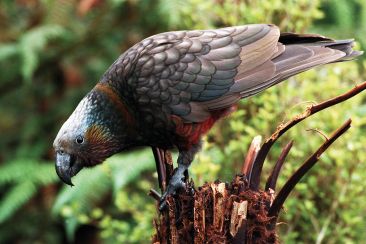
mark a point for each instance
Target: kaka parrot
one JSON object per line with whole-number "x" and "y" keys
{"x": 168, "y": 90}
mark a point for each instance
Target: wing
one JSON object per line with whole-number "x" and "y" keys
{"x": 192, "y": 73}
{"x": 184, "y": 70}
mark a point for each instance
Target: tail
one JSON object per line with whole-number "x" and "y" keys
{"x": 295, "y": 53}
{"x": 344, "y": 46}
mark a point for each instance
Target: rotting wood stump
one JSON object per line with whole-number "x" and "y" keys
{"x": 236, "y": 212}
{"x": 217, "y": 213}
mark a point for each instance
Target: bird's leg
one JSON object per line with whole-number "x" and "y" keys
{"x": 177, "y": 181}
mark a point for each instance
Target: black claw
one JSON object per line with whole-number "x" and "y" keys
{"x": 163, "y": 204}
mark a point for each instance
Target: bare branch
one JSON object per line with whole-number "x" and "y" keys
{"x": 251, "y": 155}
{"x": 154, "y": 194}
{"x": 169, "y": 167}
{"x": 312, "y": 109}
{"x": 272, "y": 179}
{"x": 160, "y": 167}
{"x": 319, "y": 132}
{"x": 304, "y": 168}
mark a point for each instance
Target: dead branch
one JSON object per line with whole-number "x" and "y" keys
{"x": 251, "y": 155}
{"x": 312, "y": 109}
{"x": 319, "y": 132}
{"x": 272, "y": 179}
{"x": 160, "y": 167}
{"x": 305, "y": 167}
{"x": 154, "y": 194}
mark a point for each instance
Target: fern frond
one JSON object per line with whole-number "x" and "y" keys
{"x": 12, "y": 171}
{"x": 33, "y": 42}
{"x": 125, "y": 168}
{"x": 8, "y": 50}
{"x": 44, "y": 174}
{"x": 15, "y": 198}
{"x": 25, "y": 177}
{"x": 20, "y": 170}
{"x": 90, "y": 186}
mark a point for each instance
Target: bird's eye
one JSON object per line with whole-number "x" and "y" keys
{"x": 79, "y": 139}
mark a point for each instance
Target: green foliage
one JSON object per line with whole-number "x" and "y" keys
{"x": 288, "y": 15}
{"x": 137, "y": 213}
{"x": 53, "y": 52}
{"x": 22, "y": 178}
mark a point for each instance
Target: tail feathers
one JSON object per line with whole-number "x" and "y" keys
{"x": 288, "y": 38}
{"x": 294, "y": 59}
{"x": 344, "y": 46}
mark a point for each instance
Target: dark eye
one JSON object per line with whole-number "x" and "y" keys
{"x": 79, "y": 139}
{"x": 61, "y": 152}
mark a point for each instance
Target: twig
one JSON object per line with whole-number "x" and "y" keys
{"x": 304, "y": 168}
{"x": 251, "y": 155}
{"x": 312, "y": 109}
{"x": 156, "y": 195}
{"x": 160, "y": 167}
{"x": 169, "y": 168}
{"x": 319, "y": 132}
{"x": 272, "y": 179}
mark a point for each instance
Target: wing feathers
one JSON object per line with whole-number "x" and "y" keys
{"x": 191, "y": 73}
{"x": 287, "y": 65}
{"x": 254, "y": 77}
{"x": 260, "y": 51}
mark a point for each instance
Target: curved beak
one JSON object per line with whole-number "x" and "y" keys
{"x": 66, "y": 167}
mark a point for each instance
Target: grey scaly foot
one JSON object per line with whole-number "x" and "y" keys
{"x": 176, "y": 183}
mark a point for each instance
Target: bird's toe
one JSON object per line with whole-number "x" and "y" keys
{"x": 176, "y": 183}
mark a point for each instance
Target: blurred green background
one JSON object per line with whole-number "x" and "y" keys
{"x": 53, "y": 52}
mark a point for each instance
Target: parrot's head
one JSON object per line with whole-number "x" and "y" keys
{"x": 93, "y": 132}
